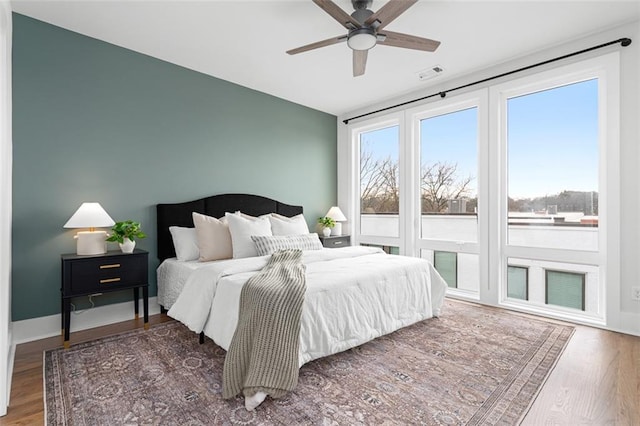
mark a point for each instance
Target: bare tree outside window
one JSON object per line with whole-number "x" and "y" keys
{"x": 379, "y": 185}
{"x": 439, "y": 184}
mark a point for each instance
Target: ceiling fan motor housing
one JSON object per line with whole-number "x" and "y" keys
{"x": 361, "y": 4}
{"x": 361, "y": 15}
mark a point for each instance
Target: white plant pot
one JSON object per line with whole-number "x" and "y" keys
{"x": 326, "y": 231}
{"x": 127, "y": 246}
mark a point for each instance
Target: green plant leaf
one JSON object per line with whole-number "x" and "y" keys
{"x": 326, "y": 222}
{"x": 126, "y": 229}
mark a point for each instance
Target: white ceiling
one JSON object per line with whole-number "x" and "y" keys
{"x": 245, "y": 41}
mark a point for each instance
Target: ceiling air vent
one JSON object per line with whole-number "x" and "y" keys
{"x": 430, "y": 73}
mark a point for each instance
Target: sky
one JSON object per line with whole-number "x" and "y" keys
{"x": 552, "y": 141}
{"x": 453, "y": 139}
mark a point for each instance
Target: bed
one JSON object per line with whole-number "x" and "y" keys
{"x": 354, "y": 294}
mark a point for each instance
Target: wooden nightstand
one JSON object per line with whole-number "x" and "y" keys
{"x": 336, "y": 241}
{"x": 112, "y": 271}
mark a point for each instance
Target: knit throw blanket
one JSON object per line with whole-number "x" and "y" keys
{"x": 263, "y": 355}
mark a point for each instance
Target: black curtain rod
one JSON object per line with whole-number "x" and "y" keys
{"x": 623, "y": 41}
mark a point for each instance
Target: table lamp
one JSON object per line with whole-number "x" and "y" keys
{"x": 336, "y": 214}
{"x": 90, "y": 215}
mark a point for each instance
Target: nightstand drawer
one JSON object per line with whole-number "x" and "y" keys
{"x": 336, "y": 242}
{"x": 100, "y": 274}
{"x": 83, "y": 275}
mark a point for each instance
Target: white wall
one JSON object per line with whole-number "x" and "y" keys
{"x": 627, "y": 317}
{"x": 6, "y": 355}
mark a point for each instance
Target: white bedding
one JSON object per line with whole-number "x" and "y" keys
{"x": 172, "y": 275}
{"x": 354, "y": 294}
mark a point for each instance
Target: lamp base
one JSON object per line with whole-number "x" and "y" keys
{"x": 91, "y": 242}
{"x": 336, "y": 231}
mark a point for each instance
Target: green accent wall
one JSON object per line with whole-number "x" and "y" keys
{"x": 96, "y": 122}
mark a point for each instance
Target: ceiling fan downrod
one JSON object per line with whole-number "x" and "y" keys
{"x": 362, "y": 11}
{"x": 361, "y": 4}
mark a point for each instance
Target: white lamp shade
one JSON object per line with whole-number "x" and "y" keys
{"x": 90, "y": 215}
{"x": 336, "y": 214}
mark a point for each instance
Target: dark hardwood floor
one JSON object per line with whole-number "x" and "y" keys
{"x": 595, "y": 382}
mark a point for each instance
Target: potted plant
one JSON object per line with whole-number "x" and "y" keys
{"x": 327, "y": 223}
{"x": 125, "y": 233}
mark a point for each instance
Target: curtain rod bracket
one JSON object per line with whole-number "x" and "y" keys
{"x": 623, "y": 42}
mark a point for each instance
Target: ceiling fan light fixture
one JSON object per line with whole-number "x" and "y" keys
{"x": 362, "y": 39}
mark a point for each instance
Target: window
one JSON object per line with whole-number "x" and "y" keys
{"x": 378, "y": 193}
{"x": 449, "y": 137}
{"x": 448, "y": 175}
{"x": 518, "y": 282}
{"x": 379, "y": 182}
{"x": 446, "y": 264}
{"x": 553, "y": 202}
{"x": 565, "y": 289}
{"x": 498, "y": 186}
{"x": 552, "y": 138}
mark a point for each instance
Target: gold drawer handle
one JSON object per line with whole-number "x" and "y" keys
{"x": 113, "y": 265}
{"x": 110, "y": 280}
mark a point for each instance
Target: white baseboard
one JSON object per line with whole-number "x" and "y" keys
{"x": 629, "y": 322}
{"x": 42, "y": 327}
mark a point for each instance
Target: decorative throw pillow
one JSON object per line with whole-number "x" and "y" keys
{"x": 282, "y": 225}
{"x": 185, "y": 242}
{"x": 266, "y": 245}
{"x": 242, "y": 227}
{"x": 214, "y": 239}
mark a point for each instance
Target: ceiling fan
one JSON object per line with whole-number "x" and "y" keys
{"x": 366, "y": 30}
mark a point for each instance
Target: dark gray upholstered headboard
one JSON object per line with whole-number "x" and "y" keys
{"x": 179, "y": 214}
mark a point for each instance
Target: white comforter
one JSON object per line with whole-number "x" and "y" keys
{"x": 354, "y": 294}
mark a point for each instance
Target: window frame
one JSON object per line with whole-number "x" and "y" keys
{"x": 605, "y": 68}
{"x": 491, "y": 158}
{"x": 478, "y": 99}
{"x": 388, "y": 120}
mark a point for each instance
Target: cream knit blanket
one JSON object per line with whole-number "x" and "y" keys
{"x": 263, "y": 355}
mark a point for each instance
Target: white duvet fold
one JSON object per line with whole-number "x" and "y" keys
{"x": 194, "y": 303}
{"x": 354, "y": 294}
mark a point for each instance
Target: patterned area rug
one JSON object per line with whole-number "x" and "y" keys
{"x": 473, "y": 365}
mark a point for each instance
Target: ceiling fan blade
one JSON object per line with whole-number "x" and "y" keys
{"x": 389, "y": 12}
{"x": 317, "y": 44}
{"x": 338, "y": 14}
{"x": 359, "y": 62}
{"x": 408, "y": 41}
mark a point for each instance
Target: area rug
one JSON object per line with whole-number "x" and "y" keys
{"x": 473, "y": 365}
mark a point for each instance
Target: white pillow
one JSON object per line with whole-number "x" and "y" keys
{"x": 266, "y": 245}
{"x": 185, "y": 242}
{"x": 214, "y": 239}
{"x": 242, "y": 227}
{"x": 282, "y": 225}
